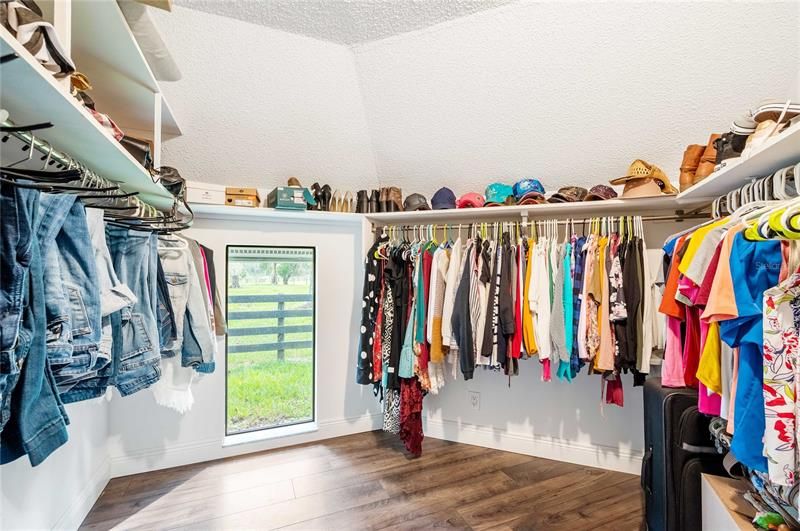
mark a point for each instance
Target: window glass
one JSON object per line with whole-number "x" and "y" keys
{"x": 270, "y": 343}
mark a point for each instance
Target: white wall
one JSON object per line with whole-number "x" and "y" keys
{"x": 59, "y": 492}
{"x": 146, "y": 436}
{"x": 258, "y": 105}
{"x": 569, "y": 92}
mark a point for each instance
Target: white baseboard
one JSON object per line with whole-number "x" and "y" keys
{"x": 86, "y": 498}
{"x": 199, "y": 451}
{"x": 607, "y": 457}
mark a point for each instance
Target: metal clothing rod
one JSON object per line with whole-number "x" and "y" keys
{"x": 573, "y": 221}
{"x": 90, "y": 177}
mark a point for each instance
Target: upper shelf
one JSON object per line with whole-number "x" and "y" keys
{"x": 611, "y": 207}
{"x": 104, "y": 49}
{"x": 32, "y": 95}
{"x": 778, "y": 152}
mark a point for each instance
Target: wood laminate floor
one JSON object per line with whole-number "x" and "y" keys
{"x": 367, "y": 481}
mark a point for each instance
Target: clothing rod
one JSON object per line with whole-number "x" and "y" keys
{"x": 671, "y": 217}
{"x": 92, "y": 178}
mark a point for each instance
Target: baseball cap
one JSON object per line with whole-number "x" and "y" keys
{"x": 415, "y": 202}
{"x": 470, "y": 200}
{"x": 569, "y": 194}
{"x": 498, "y": 194}
{"x": 600, "y": 192}
{"x": 529, "y": 191}
{"x": 444, "y": 198}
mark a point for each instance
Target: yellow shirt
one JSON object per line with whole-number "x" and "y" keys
{"x": 708, "y": 369}
{"x": 694, "y": 244}
{"x": 527, "y": 317}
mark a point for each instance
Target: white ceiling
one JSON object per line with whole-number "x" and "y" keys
{"x": 343, "y": 21}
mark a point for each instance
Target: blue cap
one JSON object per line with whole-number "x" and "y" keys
{"x": 497, "y": 193}
{"x": 527, "y": 187}
{"x": 443, "y": 199}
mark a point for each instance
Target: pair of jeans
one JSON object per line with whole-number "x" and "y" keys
{"x": 17, "y": 240}
{"x": 167, "y": 330}
{"x": 190, "y": 311}
{"x": 112, "y": 296}
{"x": 136, "y": 355}
{"x": 36, "y": 423}
{"x": 79, "y": 284}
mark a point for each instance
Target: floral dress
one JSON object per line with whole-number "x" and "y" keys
{"x": 781, "y": 368}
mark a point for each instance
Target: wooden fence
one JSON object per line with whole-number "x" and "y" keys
{"x": 280, "y": 314}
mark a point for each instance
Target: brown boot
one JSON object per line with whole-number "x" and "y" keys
{"x": 395, "y": 199}
{"x": 691, "y": 159}
{"x": 384, "y": 200}
{"x": 707, "y": 161}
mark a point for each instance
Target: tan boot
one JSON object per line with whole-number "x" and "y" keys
{"x": 691, "y": 159}
{"x": 707, "y": 161}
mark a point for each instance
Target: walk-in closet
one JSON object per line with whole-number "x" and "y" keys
{"x": 381, "y": 264}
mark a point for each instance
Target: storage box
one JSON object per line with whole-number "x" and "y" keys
{"x": 287, "y": 197}
{"x": 246, "y": 197}
{"x": 205, "y": 193}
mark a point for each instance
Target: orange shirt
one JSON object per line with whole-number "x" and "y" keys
{"x": 669, "y": 306}
{"x": 721, "y": 304}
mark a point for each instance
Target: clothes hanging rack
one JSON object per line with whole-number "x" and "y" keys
{"x": 91, "y": 179}
{"x": 678, "y": 216}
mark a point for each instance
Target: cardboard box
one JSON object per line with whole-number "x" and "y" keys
{"x": 287, "y": 197}
{"x": 205, "y": 193}
{"x": 246, "y": 197}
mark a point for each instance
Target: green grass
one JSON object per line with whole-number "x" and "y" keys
{"x": 262, "y": 391}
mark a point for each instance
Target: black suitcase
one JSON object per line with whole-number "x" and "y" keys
{"x": 678, "y": 448}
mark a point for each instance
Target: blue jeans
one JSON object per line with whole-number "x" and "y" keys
{"x": 76, "y": 260}
{"x": 36, "y": 423}
{"x": 17, "y": 240}
{"x": 135, "y": 352}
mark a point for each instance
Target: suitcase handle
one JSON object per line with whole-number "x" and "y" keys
{"x": 647, "y": 465}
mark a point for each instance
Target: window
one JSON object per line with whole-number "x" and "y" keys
{"x": 270, "y": 344}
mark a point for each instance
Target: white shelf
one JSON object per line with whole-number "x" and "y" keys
{"x": 778, "y": 152}
{"x": 611, "y": 207}
{"x": 308, "y": 217}
{"x": 124, "y": 86}
{"x": 32, "y": 95}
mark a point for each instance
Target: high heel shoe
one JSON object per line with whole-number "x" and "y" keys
{"x": 349, "y": 205}
{"x": 315, "y": 191}
{"x": 325, "y": 196}
{"x": 338, "y": 202}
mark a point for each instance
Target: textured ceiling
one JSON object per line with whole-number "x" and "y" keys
{"x": 343, "y": 21}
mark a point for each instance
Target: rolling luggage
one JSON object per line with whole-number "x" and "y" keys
{"x": 678, "y": 448}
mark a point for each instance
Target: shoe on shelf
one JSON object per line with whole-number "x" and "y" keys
{"x": 316, "y": 192}
{"x": 325, "y": 196}
{"x": 349, "y": 204}
{"x": 383, "y": 204}
{"x": 362, "y": 202}
{"x": 764, "y": 130}
{"x": 373, "y": 204}
{"x": 708, "y": 161}
{"x": 691, "y": 160}
{"x": 394, "y": 199}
